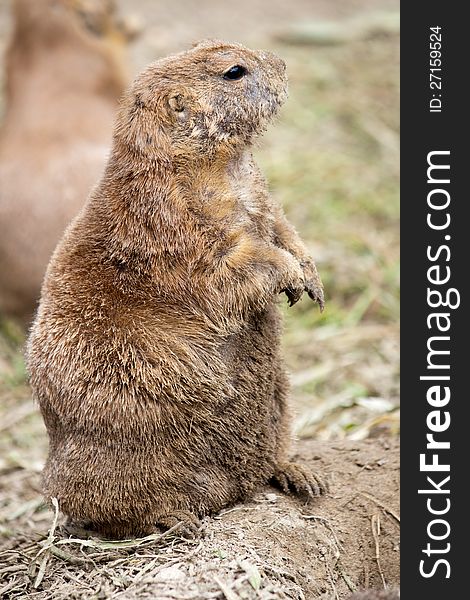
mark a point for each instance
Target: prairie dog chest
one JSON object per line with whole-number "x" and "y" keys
{"x": 250, "y": 196}
{"x": 236, "y": 199}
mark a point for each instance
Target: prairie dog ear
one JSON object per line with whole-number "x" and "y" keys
{"x": 176, "y": 102}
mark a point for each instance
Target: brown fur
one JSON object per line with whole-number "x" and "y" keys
{"x": 64, "y": 74}
{"x": 155, "y": 352}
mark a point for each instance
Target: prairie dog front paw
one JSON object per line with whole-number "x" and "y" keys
{"x": 313, "y": 283}
{"x": 291, "y": 278}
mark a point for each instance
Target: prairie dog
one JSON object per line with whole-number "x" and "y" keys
{"x": 155, "y": 353}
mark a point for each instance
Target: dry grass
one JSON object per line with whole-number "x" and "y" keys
{"x": 339, "y": 184}
{"x": 332, "y": 160}
{"x": 271, "y": 548}
{"x": 159, "y": 566}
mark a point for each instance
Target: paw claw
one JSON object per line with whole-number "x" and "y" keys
{"x": 300, "y": 480}
{"x": 313, "y": 284}
{"x": 293, "y": 294}
{"x": 316, "y": 294}
{"x": 188, "y": 525}
{"x": 283, "y": 482}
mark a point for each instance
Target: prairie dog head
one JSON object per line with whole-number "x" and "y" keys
{"x": 213, "y": 97}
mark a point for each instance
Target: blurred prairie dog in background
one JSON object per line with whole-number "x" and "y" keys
{"x": 65, "y": 71}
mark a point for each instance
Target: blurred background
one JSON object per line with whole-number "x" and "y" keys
{"x": 331, "y": 160}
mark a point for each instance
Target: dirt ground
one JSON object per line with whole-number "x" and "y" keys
{"x": 272, "y": 547}
{"x": 332, "y": 161}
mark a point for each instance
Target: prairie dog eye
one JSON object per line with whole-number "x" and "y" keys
{"x": 235, "y": 72}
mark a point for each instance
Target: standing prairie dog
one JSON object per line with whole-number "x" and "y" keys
{"x": 155, "y": 352}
